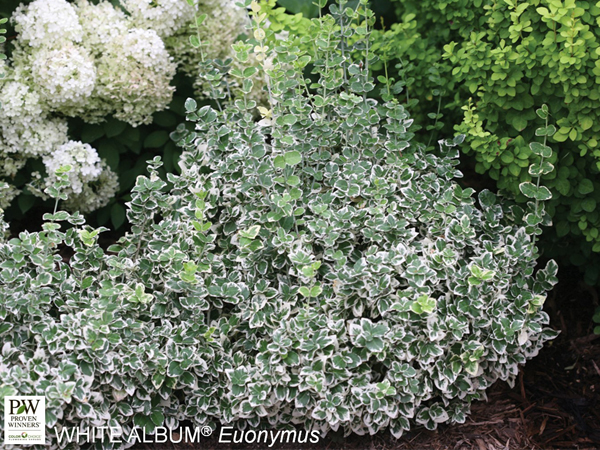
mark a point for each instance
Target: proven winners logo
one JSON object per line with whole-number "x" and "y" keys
{"x": 24, "y": 420}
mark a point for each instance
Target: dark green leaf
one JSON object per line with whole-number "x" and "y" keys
{"x": 117, "y": 215}
{"x": 156, "y": 139}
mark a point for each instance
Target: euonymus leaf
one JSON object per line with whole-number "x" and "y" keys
{"x": 292, "y": 158}
{"x": 541, "y": 149}
{"x": 530, "y": 190}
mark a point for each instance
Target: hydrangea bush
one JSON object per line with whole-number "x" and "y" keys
{"x": 316, "y": 268}
{"x": 93, "y": 60}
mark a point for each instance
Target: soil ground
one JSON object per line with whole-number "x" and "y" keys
{"x": 555, "y": 403}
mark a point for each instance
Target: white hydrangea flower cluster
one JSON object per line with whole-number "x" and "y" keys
{"x": 134, "y": 73}
{"x": 91, "y": 60}
{"x": 83, "y": 159}
{"x": 95, "y": 194}
{"x": 101, "y": 23}
{"x": 59, "y": 52}
{"x": 80, "y": 70}
{"x": 47, "y": 22}
{"x": 66, "y": 77}
{"x": 19, "y": 100}
{"x": 25, "y": 128}
{"x": 163, "y": 16}
{"x": 92, "y": 182}
{"x": 41, "y": 135}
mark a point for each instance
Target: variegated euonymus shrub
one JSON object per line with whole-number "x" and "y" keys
{"x": 315, "y": 268}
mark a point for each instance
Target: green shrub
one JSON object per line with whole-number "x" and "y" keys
{"x": 313, "y": 268}
{"x": 500, "y": 60}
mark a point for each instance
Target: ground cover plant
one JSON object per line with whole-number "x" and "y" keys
{"x": 314, "y": 268}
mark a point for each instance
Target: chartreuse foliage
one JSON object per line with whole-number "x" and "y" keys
{"x": 315, "y": 268}
{"x": 291, "y": 17}
{"x": 500, "y": 60}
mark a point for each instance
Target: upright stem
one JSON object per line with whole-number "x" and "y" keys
{"x": 366, "y": 50}
{"x": 367, "y": 43}
{"x": 342, "y": 43}
{"x": 436, "y": 118}
{"x": 537, "y": 185}
{"x": 387, "y": 78}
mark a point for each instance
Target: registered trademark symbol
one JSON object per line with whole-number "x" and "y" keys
{"x": 206, "y": 431}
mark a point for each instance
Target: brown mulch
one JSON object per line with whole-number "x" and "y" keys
{"x": 555, "y": 403}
